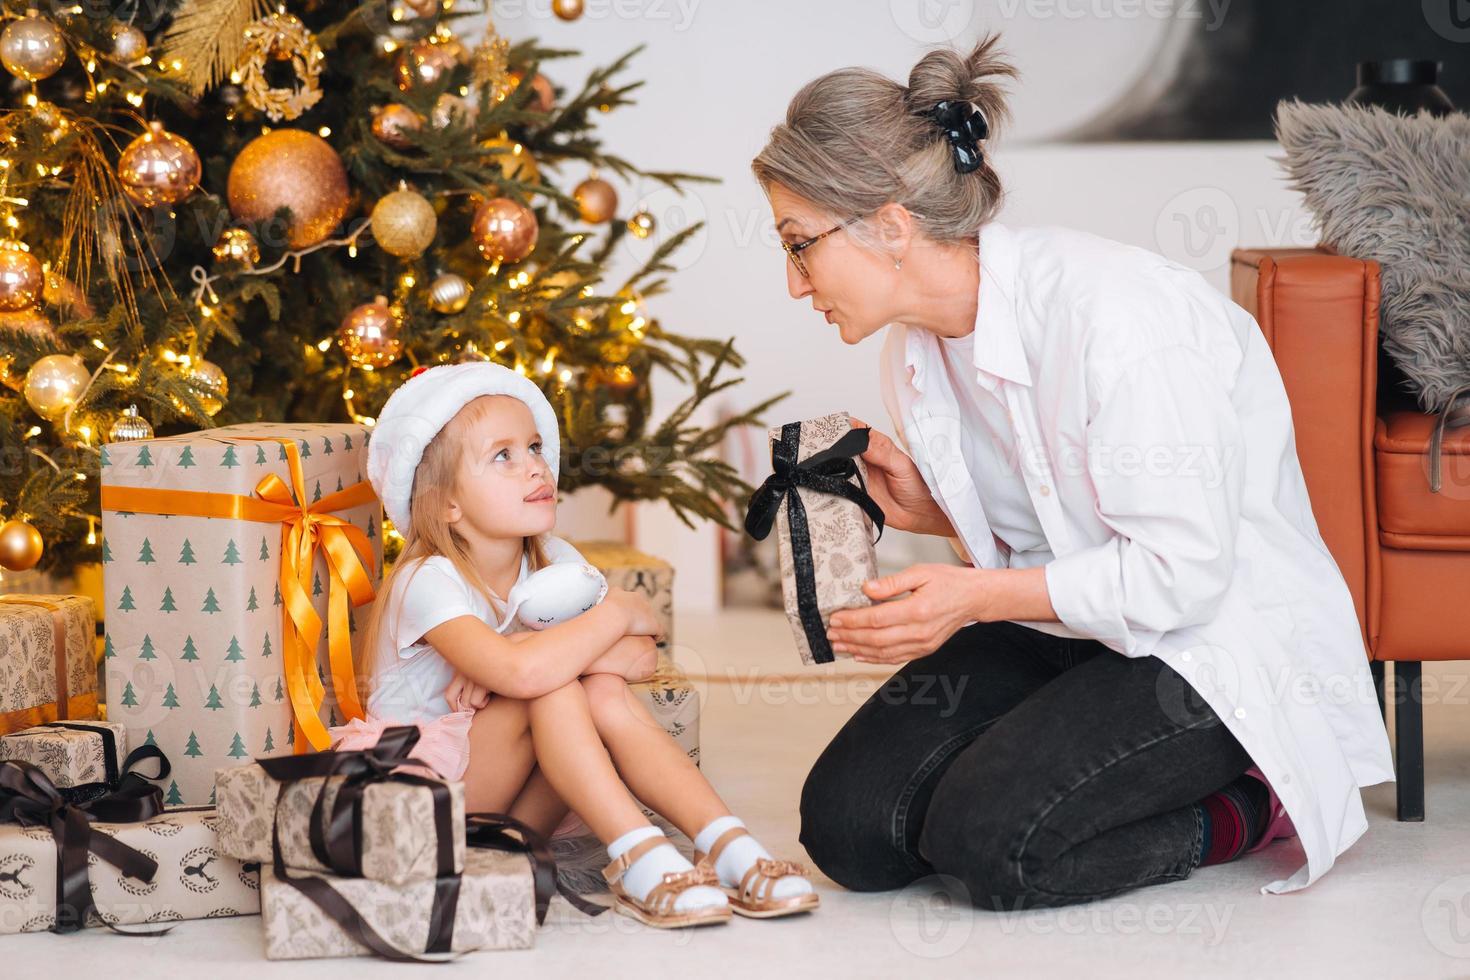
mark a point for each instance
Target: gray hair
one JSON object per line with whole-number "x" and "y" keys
{"x": 853, "y": 140}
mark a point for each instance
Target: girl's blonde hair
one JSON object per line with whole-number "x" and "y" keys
{"x": 854, "y": 139}
{"x": 429, "y": 534}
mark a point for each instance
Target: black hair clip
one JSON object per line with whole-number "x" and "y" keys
{"x": 964, "y": 125}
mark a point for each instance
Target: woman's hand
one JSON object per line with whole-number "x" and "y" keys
{"x": 638, "y": 614}
{"x": 897, "y": 486}
{"x": 632, "y": 658}
{"x": 464, "y": 694}
{"x": 943, "y": 598}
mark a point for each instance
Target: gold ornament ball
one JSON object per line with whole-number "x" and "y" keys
{"x": 404, "y": 223}
{"x": 449, "y": 109}
{"x": 209, "y": 383}
{"x": 641, "y": 225}
{"x": 290, "y": 168}
{"x": 514, "y": 160}
{"x": 596, "y": 200}
{"x": 158, "y": 167}
{"x": 543, "y": 94}
{"x": 129, "y": 44}
{"x": 53, "y": 384}
{"x": 20, "y": 546}
{"x": 425, "y": 63}
{"x": 393, "y": 123}
{"x": 505, "y": 230}
{"x": 22, "y": 280}
{"x": 237, "y": 245}
{"x": 567, "y": 9}
{"x": 65, "y": 295}
{"x": 129, "y": 427}
{"x": 32, "y": 47}
{"x": 449, "y": 293}
{"x": 370, "y": 335}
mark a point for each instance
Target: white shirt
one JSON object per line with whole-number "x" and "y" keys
{"x": 410, "y": 676}
{"x": 1158, "y": 453}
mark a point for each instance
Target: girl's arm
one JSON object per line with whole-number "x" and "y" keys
{"x": 537, "y": 663}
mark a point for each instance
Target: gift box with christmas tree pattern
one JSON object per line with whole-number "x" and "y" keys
{"x": 227, "y": 640}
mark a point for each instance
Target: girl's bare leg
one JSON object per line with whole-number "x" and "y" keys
{"x": 650, "y": 762}
{"x": 569, "y": 750}
{"x": 501, "y": 755}
{"x": 538, "y": 805}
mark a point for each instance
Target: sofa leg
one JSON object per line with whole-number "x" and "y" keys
{"x": 1408, "y": 727}
{"x": 1375, "y": 667}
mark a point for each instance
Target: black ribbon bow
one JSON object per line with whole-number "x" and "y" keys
{"x": 964, "y": 125}
{"x": 830, "y": 471}
{"x": 336, "y": 841}
{"x": 29, "y": 798}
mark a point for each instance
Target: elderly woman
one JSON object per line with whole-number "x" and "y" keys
{"x": 1149, "y": 660}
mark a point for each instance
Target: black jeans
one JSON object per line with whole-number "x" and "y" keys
{"x": 1033, "y": 769}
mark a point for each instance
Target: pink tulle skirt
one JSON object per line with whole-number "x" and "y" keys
{"x": 443, "y": 748}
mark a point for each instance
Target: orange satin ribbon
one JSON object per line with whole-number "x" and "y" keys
{"x": 304, "y": 528}
{"x": 66, "y": 705}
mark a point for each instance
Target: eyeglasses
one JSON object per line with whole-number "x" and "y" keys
{"x": 794, "y": 249}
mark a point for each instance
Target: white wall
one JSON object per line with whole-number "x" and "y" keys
{"x": 719, "y": 74}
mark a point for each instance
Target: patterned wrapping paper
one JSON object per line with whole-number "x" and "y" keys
{"x": 28, "y": 660}
{"x": 496, "y": 910}
{"x": 193, "y": 650}
{"x": 399, "y": 840}
{"x": 194, "y": 881}
{"x": 674, "y": 704}
{"x": 841, "y": 537}
{"x": 627, "y": 568}
{"x": 67, "y": 756}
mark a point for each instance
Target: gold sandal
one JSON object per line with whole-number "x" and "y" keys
{"x": 752, "y": 897}
{"x": 657, "y": 909}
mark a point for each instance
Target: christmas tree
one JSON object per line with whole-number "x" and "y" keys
{"x": 221, "y": 211}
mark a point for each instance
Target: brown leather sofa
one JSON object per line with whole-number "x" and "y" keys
{"x": 1363, "y": 445}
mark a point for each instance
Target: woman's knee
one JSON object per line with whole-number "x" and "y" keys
{"x": 848, "y": 828}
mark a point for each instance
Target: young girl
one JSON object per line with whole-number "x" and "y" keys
{"x": 464, "y": 458}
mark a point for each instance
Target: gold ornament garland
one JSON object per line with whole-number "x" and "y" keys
{"x": 280, "y": 37}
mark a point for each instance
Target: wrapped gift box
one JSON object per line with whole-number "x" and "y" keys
{"x": 196, "y": 660}
{"x": 70, "y": 753}
{"x": 399, "y": 842}
{"x": 627, "y": 568}
{"x": 46, "y": 652}
{"x": 496, "y": 910}
{"x": 194, "y": 881}
{"x": 674, "y": 704}
{"x": 828, "y": 555}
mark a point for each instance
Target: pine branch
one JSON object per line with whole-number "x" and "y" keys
{"x": 208, "y": 36}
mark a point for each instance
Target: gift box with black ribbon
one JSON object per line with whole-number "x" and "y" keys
{"x": 120, "y": 859}
{"x": 70, "y": 753}
{"x": 398, "y": 821}
{"x": 495, "y": 902}
{"x": 817, "y": 500}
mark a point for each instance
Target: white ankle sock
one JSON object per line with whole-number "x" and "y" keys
{"x": 740, "y": 855}
{"x": 646, "y": 872}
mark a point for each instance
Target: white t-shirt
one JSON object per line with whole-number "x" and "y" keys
{"x": 410, "y": 676}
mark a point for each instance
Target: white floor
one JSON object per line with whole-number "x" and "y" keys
{"x": 1396, "y": 905}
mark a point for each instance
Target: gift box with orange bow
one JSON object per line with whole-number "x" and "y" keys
{"x": 238, "y": 563}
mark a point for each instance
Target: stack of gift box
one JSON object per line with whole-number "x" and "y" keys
{"x": 228, "y": 646}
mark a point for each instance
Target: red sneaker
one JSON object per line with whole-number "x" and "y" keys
{"x": 1279, "y": 825}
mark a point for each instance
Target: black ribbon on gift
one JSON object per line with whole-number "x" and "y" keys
{"x": 28, "y": 797}
{"x": 830, "y": 471}
{"x": 336, "y": 841}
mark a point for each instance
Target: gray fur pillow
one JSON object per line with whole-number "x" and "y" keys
{"x": 1395, "y": 189}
